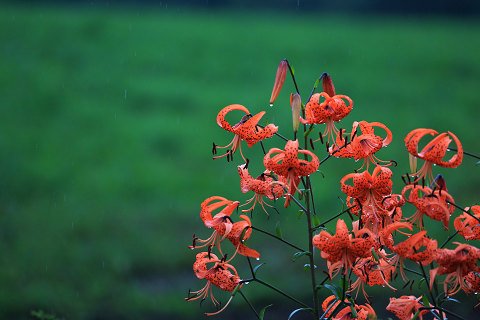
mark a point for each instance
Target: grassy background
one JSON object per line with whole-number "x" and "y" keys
{"x": 107, "y": 119}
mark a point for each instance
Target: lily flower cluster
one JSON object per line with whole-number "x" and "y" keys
{"x": 387, "y": 234}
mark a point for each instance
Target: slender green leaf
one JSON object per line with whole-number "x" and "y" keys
{"x": 299, "y": 254}
{"x": 261, "y": 314}
{"x": 294, "y": 312}
{"x": 315, "y": 220}
{"x": 278, "y": 230}
{"x": 257, "y": 267}
{"x": 333, "y": 289}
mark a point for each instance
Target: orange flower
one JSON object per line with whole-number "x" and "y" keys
{"x": 372, "y": 192}
{"x": 222, "y": 275}
{"x": 406, "y": 307}
{"x": 373, "y": 272}
{"x": 456, "y": 264}
{"x": 363, "y": 312}
{"x": 436, "y": 204}
{"x": 287, "y": 164}
{"x": 468, "y": 226}
{"x": 322, "y": 108}
{"x": 433, "y": 152}
{"x": 224, "y": 226}
{"x": 363, "y": 144}
{"x": 343, "y": 249}
{"x": 247, "y": 129}
{"x": 472, "y": 282}
{"x": 279, "y": 80}
{"x": 263, "y": 186}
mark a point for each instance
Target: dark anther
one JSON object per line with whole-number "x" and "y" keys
{"x": 406, "y": 284}
{"x": 246, "y": 164}
{"x": 321, "y": 137}
{"x": 341, "y": 133}
{"x": 224, "y": 258}
{"x": 354, "y": 134}
{"x": 209, "y": 251}
{"x": 404, "y": 180}
{"x": 411, "y": 285}
{"x": 311, "y": 144}
{"x": 346, "y": 140}
{"x": 327, "y": 145}
{"x": 385, "y": 198}
{"x": 408, "y": 177}
{"x": 394, "y": 163}
{"x": 423, "y": 182}
{"x": 415, "y": 180}
{"x": 214, "y": 148}
{"x": 231, "y": 155}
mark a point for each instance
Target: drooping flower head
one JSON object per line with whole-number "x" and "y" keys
{"x": 342, "y": 249}
{"x": 363, "y": 144}
{"x": 434, "y": 203}
{"x": 287, "y": 164}
{"x": 433, "y": 152}
{"x": 246, "y": 129}
{"x": 405, "y": 307}
{"x": 362, "y": 312}
{"x": 221, "y": 274}
{"x": 456, "y": 264}
{"x": 373, "y": 272}
{"x": 373, "y": 194}
{"x": 327, "y": 107}
{"x": 224, "y": 226}
{"x": 263, "y": 186}
{"x": 469, "y": 225}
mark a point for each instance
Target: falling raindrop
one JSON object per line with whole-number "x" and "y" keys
{"x": 258, "y": 259}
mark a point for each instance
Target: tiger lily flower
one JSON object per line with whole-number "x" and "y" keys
{"x": 327, "y": 107}
{"x": 222, "y": 275}
{"x": 263, "y": 186}
{"x": 468, "y": 226}
{"x": 456, "y": 264}
{"x": 247, "y": 129}
{"x": 417, "y": 247}
{"x": 373, "y": 273}
{"x": 224, "y": 226}
{"x": 363, "y": 312}
{"x": 472, "y": 282}
{"x": 287, "y": 164}
{"x": 371, "y": 192}
{"x": 436, "y": 204}
{"x": 364, "y": 143}
{"x": 342, "y": 249}
{"x": 405, "y": 307}
{"x": 433, "y": 152}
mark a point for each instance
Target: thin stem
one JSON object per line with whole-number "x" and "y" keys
{"x": 282, "y": 293}
{"x": 334, "y": 217}
{"x": 293, "y": 76}
{"x": 448, "y": 240}
{"x": 466, "y": 153}
{"x": 309, "y": 185}
{"x": 443, "y": 310}
{"x": 460, "y": 208}
{"x": 278, "y": 238}
{"x": 311, "y": 257}
{"x": 249, "y": 304}
{"x": 427, "y": 281}
{"x": 413, "y": 271}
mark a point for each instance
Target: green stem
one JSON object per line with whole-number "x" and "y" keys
{"x": 427, "y": 283}
{"x": 278, "y": 238}
{"x": 334, "y": 217}
{"x": 448, "y": 240}
{"x": 250, "y": 305}
{"x": 311, "y": 258}
{"x": 281, "y": 292}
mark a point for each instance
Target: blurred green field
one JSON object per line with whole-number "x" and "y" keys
{"x": 107, "y": 119}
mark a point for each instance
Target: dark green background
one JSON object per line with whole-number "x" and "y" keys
{"x": 107, "y": 117}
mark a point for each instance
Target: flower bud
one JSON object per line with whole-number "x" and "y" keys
{"x": 279, "y": 80}
{"x": 327, "y": 84}
{"x": 296, "y": 104}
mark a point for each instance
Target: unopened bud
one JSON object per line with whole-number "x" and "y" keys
{"x": 279, "y": 80}
{"x": 327, "y": 84}
{"x": 296, "y": 104}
